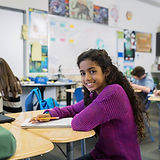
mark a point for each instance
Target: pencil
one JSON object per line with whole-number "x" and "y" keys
{"x": 47, "y": 118}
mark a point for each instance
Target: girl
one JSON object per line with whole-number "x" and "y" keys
{"x": 110, "y": 106}
{"x": 10, "y": 88}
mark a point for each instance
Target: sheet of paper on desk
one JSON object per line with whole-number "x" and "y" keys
{"x": 63, "y": 122}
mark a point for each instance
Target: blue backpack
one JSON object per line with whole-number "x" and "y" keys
{"x": 39, "y": 104}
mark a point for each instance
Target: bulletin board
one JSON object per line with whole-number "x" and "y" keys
{"x": 69, "y": 37}
{"x": 38, "y": 41}
{"x": 11, "y": 41}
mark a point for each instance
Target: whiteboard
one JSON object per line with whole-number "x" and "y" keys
{"x": 70, "y": 37}
{"x": 11, "y": 43}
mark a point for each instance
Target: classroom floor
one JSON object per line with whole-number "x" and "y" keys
{"x": 149, "y": 150}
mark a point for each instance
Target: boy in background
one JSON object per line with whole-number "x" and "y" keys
{"x": 142, "y": 81}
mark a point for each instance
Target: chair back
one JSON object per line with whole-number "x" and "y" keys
{"x": 78, "y": 94}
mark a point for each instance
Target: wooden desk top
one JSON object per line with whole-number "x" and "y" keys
{"x": 70, "y": 90}
{"x": 137, "y": 90}
{"x": 58, "y": 135}
{"x": 154, "y": 98}
{"x": 28, "y": 144}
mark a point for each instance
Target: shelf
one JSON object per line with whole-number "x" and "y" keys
{"x": 155, "y": 71}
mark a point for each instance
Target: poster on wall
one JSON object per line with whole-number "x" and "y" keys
{"x": 38, "y": 41}
{"x": 113, "y": 15}
{"x": 59, "y": 7}
{"x": 100, "y": 15}
{"x": 127, "y": 69}
{"x": 143, "y": 42}
{"x": 129, "y": 45}
{"x": 81, "y": 9}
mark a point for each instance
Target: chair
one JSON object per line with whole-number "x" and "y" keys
{"x": 78, "y": 96}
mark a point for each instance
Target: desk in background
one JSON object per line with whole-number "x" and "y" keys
{"x": 56, "y": 135}
{"x": 42, "y": 87}
{"x": 28, "y": 144}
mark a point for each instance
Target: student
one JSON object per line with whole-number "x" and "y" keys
{"x": 142, "y": 81}
{"x": 110, "y": 107}
{"x": 7, "y": 144}
{"x": 10, "y": 88}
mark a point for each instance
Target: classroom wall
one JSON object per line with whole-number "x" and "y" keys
{"x": 145, "y": 19}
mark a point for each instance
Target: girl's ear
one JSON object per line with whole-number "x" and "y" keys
{"x": 107, "y": 73}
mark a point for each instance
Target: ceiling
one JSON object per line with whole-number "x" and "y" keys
{"x": 155, "y": 3}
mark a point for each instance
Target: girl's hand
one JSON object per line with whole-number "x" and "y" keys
{"x": 37, "y": 119}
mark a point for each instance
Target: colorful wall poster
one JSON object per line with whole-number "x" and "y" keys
{"x": 59, "y": 7}
{"x": 81, "y": 9}
{"x": 129, "y": 45}
{"x": 39, "y": 65}
{"x": 38, "y": 40}
{"x": 128, "y": 67}
{"x": 100, "y": 15}
{"x": 143, "y": 42}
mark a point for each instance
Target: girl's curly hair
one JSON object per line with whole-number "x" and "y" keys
{"x": 115, "y": 76}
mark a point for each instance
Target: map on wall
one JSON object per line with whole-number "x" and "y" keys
{"x": 143, "y": 42}
{"x": 70, "y": 37}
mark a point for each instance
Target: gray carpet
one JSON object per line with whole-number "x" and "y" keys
{"x": 149, "y": 149}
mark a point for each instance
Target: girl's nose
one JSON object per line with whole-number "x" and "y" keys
{"x": 88, "y": 76}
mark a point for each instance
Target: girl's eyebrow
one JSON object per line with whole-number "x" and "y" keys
{"x": 88, "y": 69}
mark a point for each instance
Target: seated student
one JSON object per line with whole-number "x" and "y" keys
{"x": 7, "y": 144}
{"x": 110, "y": 107}
{"x": 142, "y": 81}
{"x": 10, "y": 88}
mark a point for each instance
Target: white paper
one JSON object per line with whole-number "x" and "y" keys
{"x": 59, "y": 123}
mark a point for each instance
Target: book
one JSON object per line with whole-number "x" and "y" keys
{"x": 57, "y": 123}
{"x": 6, "y": 119}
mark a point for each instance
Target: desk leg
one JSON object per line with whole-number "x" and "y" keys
{"x": 83, "y": 147}
{"x": 68, "y": 96}
{"x": 69, "y": 151}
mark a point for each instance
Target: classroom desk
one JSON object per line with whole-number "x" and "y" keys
{"x": 56, "y": 84}
{"x": 157, "y": 100}
{"x": 137, "y": 90}
{"x": 28, "y": 144}
{"x": 56, "y": 135}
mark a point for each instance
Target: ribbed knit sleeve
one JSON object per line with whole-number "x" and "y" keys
{"x": 68, "y": 111}
{"x": 111, "y": 103}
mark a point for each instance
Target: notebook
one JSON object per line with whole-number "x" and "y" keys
{"x": 5, "y": 119}
{"x": 63, "y": 122}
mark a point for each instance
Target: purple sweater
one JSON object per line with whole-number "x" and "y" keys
{"x": 111, "y": 111}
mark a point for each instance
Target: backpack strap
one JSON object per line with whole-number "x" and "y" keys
{"x": 38, "y": 94}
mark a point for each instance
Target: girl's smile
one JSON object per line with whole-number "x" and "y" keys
{"x": 92, "y": 76}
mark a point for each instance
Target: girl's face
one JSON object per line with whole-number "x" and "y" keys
{"x": 92, "y": 76}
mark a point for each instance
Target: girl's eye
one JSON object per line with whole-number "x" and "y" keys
{"x": 82, "y": 74}
{"x": 92, "y": 71}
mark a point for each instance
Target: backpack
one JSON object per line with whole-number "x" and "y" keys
{"x": 39, "y": 104}
{"x": 7, "y": 143}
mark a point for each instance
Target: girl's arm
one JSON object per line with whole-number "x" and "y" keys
{"x": 112, "y": 103}
{"x": 68, "y": 111}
